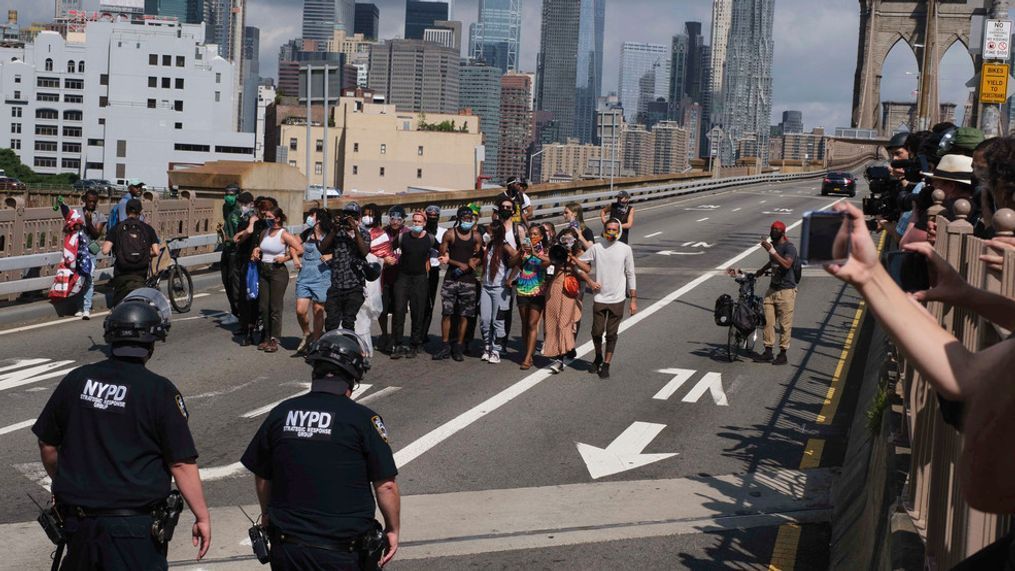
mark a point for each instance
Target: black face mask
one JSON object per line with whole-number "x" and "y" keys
{"x": 506, "y": 213}
{"x": 431, "y": 224}
{"x": 775, "y": 235}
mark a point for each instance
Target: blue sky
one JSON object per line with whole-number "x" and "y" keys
{"x": 815, "y": 48}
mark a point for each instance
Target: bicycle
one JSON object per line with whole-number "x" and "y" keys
{"x": 737, "y": 340}
{"x": 181, "y": 286}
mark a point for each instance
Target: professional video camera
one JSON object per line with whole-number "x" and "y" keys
{"x": 888, "y": 197}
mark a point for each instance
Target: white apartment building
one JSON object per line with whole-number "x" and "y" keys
{"x": 120, "y": 101}
{"x": 265, "y": 97}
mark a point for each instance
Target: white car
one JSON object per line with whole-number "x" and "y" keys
{"x": 315, "y": 192}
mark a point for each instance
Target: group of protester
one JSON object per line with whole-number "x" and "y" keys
{"x": 974, "y": 387}
{"x": 365, "y": 264}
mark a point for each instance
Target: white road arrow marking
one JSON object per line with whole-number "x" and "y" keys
{"x": 697, "y": 245}
{"x": 711, "y": 382}
{"x": 624, "y": 453}
{"x": 681, "y": 376}
{"x": 35, "y": 472}
{"x": 672, "y": 253}
{"x": 653, "y": 235}
{"x": 33, "y": 374}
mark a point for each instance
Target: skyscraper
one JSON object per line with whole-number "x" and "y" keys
{"x": 792, "y": 122}
{"x": 679, "y": 59}
{"x": 252, "y": 69}
{"x": 186, "y": 11}
{"x": 497, "y": 34}
{"x": 644, "y": 76}
{"x": 557, "y": 64}
{"x": 515, "y": 124}
{"x": 589, "y": 82}
{"x": 322, "y": 17}
{"x": 694, "y": 69}
{"x": 747, "y": 86}
{"x": 416, "y": 76}
{"x": 421, "y": 15}
{"x": 368, "y": 21}
{"x": 721, "y": 11}
{"x": 480, "y": 92}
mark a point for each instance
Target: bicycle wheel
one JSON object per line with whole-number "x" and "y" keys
{"x": 732, "y": 340}
{"x": 181, "y": 289}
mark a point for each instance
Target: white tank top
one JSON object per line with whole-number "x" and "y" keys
{"x": 272, "y": 247}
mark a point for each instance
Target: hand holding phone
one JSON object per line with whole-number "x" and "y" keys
{"x": 910, "y": 270}
{"x": 825, "y": 238}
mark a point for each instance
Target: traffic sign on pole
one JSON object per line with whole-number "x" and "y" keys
{"x": 994, "y": 83}
{"x": 997, "y": 40}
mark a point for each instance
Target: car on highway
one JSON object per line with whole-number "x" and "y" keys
{"x": 842, "y": 182}
{"x": 11, "y": 183}
{"x": 103, "y": 187}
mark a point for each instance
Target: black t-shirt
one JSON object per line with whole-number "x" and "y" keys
{"x": 588, "y": 235}
{"x": 415, "y": 254}
{"x": 783, "y": 278}
{"x": 117, "y": 426}
{"x": 321, "y": 452}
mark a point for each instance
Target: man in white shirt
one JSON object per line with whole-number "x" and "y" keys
{"x": 614, "y": 281}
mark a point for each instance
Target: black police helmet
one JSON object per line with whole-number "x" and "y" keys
{"x": 342, "y": 349}
{"x": 897, "y": 140}
{"x": 372, "y": 271}
{"x": 133, "y": 323}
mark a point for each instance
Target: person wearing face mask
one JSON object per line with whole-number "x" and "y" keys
{"x": 411, "y": 287}
{"x": 460, "y": 251}
{"x": 521, "y": 205}
{"x": 495, "y": 295}
{"x": 384, "y": 243}
{"x": 531, "y": 260}
{"x": 780, "y": 299}
{"x": 313, "y": 279}
{"x": 614, "y": 281}
{"x": 232, "y": 214}
{"x": 514, "y": 234}
{"x": 433, "y": 228}
{"x": 620, "y": 210}
{"x": 243, "y": 245}
{"x": 277, "y": 246}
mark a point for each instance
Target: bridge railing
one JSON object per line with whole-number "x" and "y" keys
{"x": 951, "y": 529}
{"x": 31, "y": 238}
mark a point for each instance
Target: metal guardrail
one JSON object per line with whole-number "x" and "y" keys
{"x": 544, "y": 207}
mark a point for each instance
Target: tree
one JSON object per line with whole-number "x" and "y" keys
{"x": 11, "y": 164}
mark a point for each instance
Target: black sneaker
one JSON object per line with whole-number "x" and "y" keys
{"x": 604, "y": 371}
{"x": 596, "y": 364}
{"x": 398, "y": 351}
{"x": 765, "y": 357}
{"x": 456, "y": 353}
{"x": 413, "y": 352}
{"x": 384, "y": 344}
{"x": 443, "y": 353}
{"x": 781, "y": 359}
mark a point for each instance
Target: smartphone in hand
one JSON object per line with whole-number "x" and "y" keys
{"x": 910, "y": 270}
{"x": 825, "y": 238}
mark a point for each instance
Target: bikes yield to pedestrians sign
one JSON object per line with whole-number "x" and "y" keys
{"x": 994, "y": 83}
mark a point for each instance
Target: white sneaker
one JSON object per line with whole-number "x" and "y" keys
{"x": 86, "y": 315}
{"x": 556, "y": 366}
{"x": 229, "y": 319}
{"x": 493, "y": 357}
{"x": 486, "y": 355}
{"x": 79, "y": 314}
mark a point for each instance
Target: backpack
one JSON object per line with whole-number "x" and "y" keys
{"x": 114, "y": 217}
{"x": 132, "y": 245}
{"x": 748, "y": 315}
{"x": 724, "y": 310}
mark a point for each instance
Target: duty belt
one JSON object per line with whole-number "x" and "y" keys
{"x": 83, "y": 512}
{"x": 345, "y": 546}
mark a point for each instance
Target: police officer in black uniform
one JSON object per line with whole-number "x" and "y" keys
{"x": 318, "y": 460}
{"x": 111, "y": 436}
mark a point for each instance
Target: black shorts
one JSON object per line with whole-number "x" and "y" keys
{"x": 537, "y": 301}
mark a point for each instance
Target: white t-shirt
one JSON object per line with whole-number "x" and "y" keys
{"x": 434, "y": 261}
{"x": 614, "y": 270}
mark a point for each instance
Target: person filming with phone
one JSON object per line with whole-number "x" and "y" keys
{"x": 780, "y": 299}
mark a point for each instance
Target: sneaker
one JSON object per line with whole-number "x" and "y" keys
{"x": 272, "y": 346}
{"x": 87, "y": 315}
{"x": 494, "y": 357}
{"x": 398, "y": 351}
{"x": 456, "y": 354}
{"x": 556, "y": 366}
{"x": 443, "y": 353}
{"x": 78, "y": 314}
{"x": 228, "y": 319}
{"x": 765, "y": 357}
{"x": 781, "y": 359}
{"x": 567, "y": 360}
{"x": 304, "y": 345}
{"x": 596, "y": 364}
{"x": 486, "y": 354}
{"x": 263, "y": 345}
{"x": 247, "y": 340}
{"x": 413, "y": 352}
{"x": 604, "y": 371}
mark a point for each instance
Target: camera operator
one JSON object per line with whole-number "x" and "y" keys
{"x": 349, "y": 245}
{"x": 953, "y": 176}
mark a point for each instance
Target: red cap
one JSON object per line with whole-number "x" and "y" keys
{"x": 779, "y": 225}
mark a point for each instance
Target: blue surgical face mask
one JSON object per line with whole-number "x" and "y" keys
{"x": 310, "y": 221}
{"x": 467, "y": 226}
{"x": 416, "y": 229}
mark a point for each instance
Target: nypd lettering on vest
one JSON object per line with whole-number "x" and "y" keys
{"x": 308, "y": 424}
{"x": 104, "y": 396}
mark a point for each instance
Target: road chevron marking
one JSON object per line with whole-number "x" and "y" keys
{"x": 711, "y": 382}
{"x": 624, "y": 453}
{"x": 17, "y": 375}
{"x": 680, "y": 377}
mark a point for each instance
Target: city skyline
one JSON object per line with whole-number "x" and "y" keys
{"x": 800, "y": 32}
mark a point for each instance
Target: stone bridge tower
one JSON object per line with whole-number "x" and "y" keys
{"x": 929, "y": 28}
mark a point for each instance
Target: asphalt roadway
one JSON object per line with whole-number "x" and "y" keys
{"x": 680, "y": 460}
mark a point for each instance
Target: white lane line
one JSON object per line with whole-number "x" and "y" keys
{"x": 35, "y": 472}
{"x": 763, "y": 201}
{"x": 48, "y": 323}
{"x": 34, "y": 374}
{"x": 420, "y": 446}
{"x": 17, "y": 426}
{"x": 215, "y": 315}
{"x": 732, "y": 261}
{"x": 379, "y": 394}
{"x": 267, "y": 408}
{"x": 20, "y": 363}
{"x": 200, "y": 295}
{"x": 653, "y": 235}
{"x": 703, "y": 219}
{"x": 735, "y": 210}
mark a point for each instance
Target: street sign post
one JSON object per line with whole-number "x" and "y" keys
{"x": 994, "y": 83}
{"x": 997, "y": 40}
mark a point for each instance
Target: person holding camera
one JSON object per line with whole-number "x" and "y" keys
{"x": 349, "y": 245}
{"x": 318, "y": 460}
{"x": 780, "y": 299}
{"x": 113, "y": 436}
{"x": 276, "y": 247}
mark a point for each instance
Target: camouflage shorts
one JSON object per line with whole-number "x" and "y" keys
{"x": 459, "y": 298}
